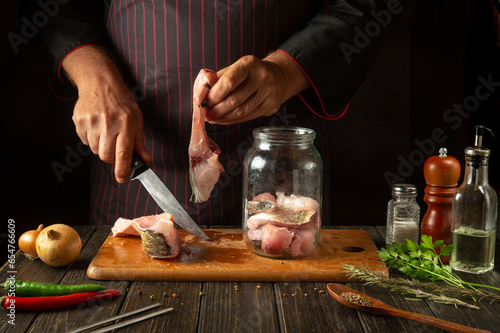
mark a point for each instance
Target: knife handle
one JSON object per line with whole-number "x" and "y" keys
{"x": 138, "y": 166}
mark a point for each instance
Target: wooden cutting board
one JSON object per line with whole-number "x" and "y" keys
{"x": 226, "y": 258}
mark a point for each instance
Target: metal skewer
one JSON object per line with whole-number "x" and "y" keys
{"x": 125, "y": 323}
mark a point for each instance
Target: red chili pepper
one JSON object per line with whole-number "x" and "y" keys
{"x": 52, "y": 302}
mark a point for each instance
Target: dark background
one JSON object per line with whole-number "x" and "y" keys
{"x": 430, "y": 64}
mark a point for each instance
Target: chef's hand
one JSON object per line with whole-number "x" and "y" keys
{"x": 106, "y": 116}
{"x": 251, "y": 88}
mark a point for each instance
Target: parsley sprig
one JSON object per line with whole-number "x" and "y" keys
{"x": 424, "y": 261}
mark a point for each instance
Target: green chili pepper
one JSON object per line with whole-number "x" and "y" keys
{"x": 28, "y": 288}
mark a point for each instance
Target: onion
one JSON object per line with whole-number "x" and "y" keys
{"x": 27, "y": 242}
{"x": 58, "y": 245}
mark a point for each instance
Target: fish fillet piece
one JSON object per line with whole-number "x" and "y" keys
{"x": 265, "y": 197}
{"x": 283, "y": 225}
{"x": 158, "y": 234}
{"x": 258, "y": 206}
{"x": 204, "y": 165}
{"x": 261, "y": 202}
{"x": 275, "y": 240}
{"x": 281, "y": 217}
{"x": 124, "y": 227}
{"x": 296, "y": 202}
{"x": 304, "y": 241}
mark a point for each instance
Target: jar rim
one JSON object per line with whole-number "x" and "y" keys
{"x": 284, "y": 134}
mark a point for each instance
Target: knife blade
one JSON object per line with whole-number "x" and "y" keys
{"x": 163, "y": 197}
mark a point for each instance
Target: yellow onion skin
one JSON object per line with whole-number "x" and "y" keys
{"x": 27, "y": 241}
{"x": 58, "y": 245}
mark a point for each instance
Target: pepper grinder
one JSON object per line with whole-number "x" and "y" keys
{"x": 441, "y": 173}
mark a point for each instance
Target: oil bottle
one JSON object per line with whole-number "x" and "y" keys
{"x": 474, "y": 213}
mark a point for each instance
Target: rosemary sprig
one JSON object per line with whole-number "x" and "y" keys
{"x": 421, "y": 290}
{"x": 433, "y": 287}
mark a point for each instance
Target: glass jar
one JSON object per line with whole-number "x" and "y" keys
{"x": 282, "y": 192}
{"x": 403, "y": 214}
{"x": 474, "y": 216}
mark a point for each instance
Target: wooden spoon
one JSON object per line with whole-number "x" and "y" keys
{"x": 380, "y": 308}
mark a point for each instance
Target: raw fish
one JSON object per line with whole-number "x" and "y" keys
{"x": 304, "y": 241}
{"x": 124, "y": 227}
{"x": 275, "y": 240}
{"x": 204, "y": 165}
{"x": 296, "y": 202}
{"x": 283, "y": 225}
{"x": 281, "y": 217}
{"x": 265, "y": 197}
{"x": 258, "y": 206}
{"x": 261, "y": 202}
{"x": 158, "y": 234}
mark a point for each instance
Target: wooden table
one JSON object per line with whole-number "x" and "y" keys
{"x": 233, "y": 306}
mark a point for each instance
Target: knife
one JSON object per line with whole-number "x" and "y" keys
{"x": 163, "y": 197}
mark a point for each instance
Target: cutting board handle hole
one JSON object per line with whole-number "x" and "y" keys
{"x": 352, "y": 249}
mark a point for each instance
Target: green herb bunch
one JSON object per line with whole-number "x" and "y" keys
{"x": 424, "y": 261}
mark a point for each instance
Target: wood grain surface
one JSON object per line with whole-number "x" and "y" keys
{"x": 226, "y": 258}
{"x": 233, "y": 306}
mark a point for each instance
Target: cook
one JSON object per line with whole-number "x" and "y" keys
{"x": 134, "y": 74}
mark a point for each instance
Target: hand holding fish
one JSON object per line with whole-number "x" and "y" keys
{"x": 251, "y": 88}
{"x": 106, "y": 116}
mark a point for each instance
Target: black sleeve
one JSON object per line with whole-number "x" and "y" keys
{"x": 336, "y": 48}
{"x": 70, "y": 24}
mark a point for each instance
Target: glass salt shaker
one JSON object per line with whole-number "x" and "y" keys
{"x": 474, "y": 213}
{"x": 282, "y": 192}
{"x": 403, "y": 214}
